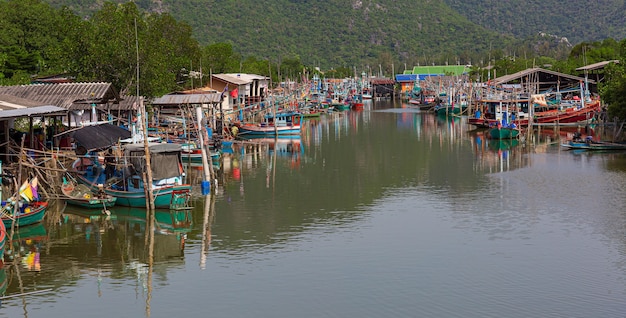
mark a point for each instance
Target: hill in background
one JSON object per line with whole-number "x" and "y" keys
{"x": 361, "y": 33}
{"x": 576, "y": 20}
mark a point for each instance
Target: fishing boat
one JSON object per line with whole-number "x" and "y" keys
{"x": 487, "y": 117}
{"x": 127, "y": 185}
{"x": 367, "y": 94}
{"x": 340, "y": 106}
{"x": 81, "y": 195}
{"x": 282, "y": 123}
{"x": 357, "y": 105}
{"x": 190, "y": 152}
{"x": 591, "y": 145}
{"x": 27, "y": 213}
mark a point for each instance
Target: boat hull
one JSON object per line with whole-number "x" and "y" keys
{"x": 595, "y": 145}
{"x": 35, "y": 215}
{"x": 95, "y": 203}
{"x": 269, "y": 130}
{"x": 551, "y": 117}
{"x": 164, "y": 198}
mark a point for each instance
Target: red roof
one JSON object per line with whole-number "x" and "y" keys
{"x": 382, "y": 81}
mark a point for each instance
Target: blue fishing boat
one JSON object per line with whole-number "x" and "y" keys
{"x": 127, "y": 183}
{"x": 590, "y": 145}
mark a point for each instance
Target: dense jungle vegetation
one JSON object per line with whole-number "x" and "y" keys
{"x": 289, "y": 39}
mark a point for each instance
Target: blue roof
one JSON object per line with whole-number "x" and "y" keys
{"x": 406, "y": 77}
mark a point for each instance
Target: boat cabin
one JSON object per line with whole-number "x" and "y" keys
{"x": 499, "y": 109}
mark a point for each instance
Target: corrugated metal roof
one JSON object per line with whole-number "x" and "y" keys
{"x": 511, "y": 77}
{"x": 32, "y": 111}
{"x": 186, "y": 99}
{"x": 11, "y": 102}
{"x": 382, "y": 81}
{"x": 198, "y": 90}
{"x": 66, "y": 95}
{"x": 239, "y": 78}
{"x": 596, "y": 66}
{"x": 127, "y": 102}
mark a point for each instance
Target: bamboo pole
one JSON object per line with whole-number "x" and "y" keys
{"x": 148, "y": 178}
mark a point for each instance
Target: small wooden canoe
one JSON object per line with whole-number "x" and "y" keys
{"x": 81, "y": 195}
{"x": 28, "y": 214}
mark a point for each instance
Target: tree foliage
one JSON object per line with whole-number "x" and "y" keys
{"x": 118, "y": 40}
{"x": 613, "y": 89}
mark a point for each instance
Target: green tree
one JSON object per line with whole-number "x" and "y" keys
{"x": 31, "y": 39}
{"x": 165, "y": 49}
{"x": 613, "y": 88}
{"x": 169, "y": 50}
{"x": 111, "y": 54}
{"x": 220, "y": 58}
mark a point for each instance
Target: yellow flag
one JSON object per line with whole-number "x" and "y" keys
{"x": 26, "y": 191}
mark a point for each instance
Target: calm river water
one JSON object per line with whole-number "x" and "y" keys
{"x": 388, "y": 212}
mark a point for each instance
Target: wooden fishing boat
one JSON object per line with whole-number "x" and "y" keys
{"x": 81, "y": 195}
{"x": 29, "y": 213}
{"x": 569, "y": 115}
{"x": 591, "y": 145}
{"x": 341, "y": 106}
{"x": 127, "y": 185}
{"x": 192, "y": 153}
{"x": 357, "y": 106}
{"x": 283, "y": 123}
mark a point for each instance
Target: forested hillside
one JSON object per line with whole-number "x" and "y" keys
{"x": 330, "y": 33}
{"x": 345, "y": 33}
{"x": 577, "y": 20}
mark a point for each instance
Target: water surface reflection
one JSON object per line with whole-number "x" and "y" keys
{"x": 388, "y": 211}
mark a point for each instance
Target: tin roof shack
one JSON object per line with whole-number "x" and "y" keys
{"x": 242, "y": 89}
{"x": 175, "y": 112}
{"x": 78, "y": 103}
{"x": 34, "y": 138}
{"x": 87, "y": 101}
{"x": 383, "y": 87}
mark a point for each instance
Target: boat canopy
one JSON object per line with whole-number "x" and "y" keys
{"x": 98, "y": 137}
{"x": 165, "y": 159}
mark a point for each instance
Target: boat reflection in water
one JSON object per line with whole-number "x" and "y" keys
{"x": 22, "y": 261}
{"x": 132, "y": 224}
{"x": 496, "y": 155}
